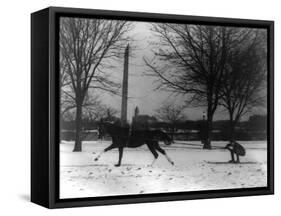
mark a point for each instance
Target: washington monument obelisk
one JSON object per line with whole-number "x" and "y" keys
{"x": 125, "y": 88}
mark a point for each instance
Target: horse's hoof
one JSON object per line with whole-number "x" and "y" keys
{"x": 231, "y": 161}
{"x": 173, "y": 163}
{"x": 117, "y": 165}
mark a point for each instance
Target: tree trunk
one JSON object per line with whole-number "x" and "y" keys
{"x": 232, "y": 125}
{"x": 172, "y": 133}
{"x": 78, "y": 126}
{"x": 208, "y": 131}
{"x": 232, "y": 132}
{"x": 231, "y": 128}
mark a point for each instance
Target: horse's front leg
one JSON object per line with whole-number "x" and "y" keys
{"x": 120, "y": 156}
{"x": 112, "y": 146}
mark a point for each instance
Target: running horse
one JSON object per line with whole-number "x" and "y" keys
{"x": 121, "y": 138}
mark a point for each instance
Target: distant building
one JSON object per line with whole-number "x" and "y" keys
{"x": 142, "y": 122}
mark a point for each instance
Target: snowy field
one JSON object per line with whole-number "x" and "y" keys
{"x": 195, "y": 169}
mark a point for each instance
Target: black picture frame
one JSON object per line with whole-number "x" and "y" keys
{"x": 45, "y": 108}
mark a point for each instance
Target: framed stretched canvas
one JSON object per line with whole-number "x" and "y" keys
{"x": 139, "y": 107}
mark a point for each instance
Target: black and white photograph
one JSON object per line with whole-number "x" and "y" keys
{"x": 161, "y": 107}
{"x": 139, "y": 108}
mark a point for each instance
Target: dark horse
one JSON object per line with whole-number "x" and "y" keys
{"x": 121, "y": 138}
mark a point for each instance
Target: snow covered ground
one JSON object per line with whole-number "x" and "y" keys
{"x": 195, "y": 169}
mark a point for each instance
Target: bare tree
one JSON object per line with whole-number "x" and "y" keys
{"x": 86, "y": 46}
{"x": 66, "y": 101}
{"x": 100, "y": 111}
{"x": 172, "y": 114}
{"x": 191, "y": 60}
{"x": 245, "y": 78}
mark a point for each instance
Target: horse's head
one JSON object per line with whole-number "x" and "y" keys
{"x": 103, "y": 126}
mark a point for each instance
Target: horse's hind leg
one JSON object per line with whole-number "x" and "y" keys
{"x": 120, "y": 156}
{"x": 105, "y": 150}
{"x": 153, "y": 151}
{"x": 162, "y": 151}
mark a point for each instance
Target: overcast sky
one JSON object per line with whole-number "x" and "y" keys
{"x": 141, "y": 88}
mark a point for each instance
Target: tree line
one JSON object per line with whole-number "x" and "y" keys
{"x": 254, "y": 128}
